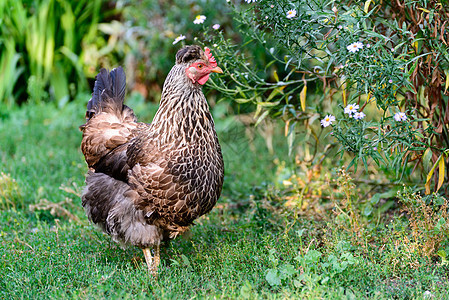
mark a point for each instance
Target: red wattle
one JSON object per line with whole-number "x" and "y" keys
{"x": 203, "y": 79}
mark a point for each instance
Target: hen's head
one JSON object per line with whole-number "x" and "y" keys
{"x": 199, "y": 63}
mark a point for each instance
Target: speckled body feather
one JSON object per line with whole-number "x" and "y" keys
{"x": 149, "y": 182}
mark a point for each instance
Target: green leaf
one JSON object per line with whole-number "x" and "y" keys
{"x": 442, "y": 253}
{"x": 174, "y": 262}
{"x": 288, "y": 270}
{"x": 300, "y": 232}
{"x": 246, "y": 290}
{"x": 241, "y": 100}
{"x": 291, "y": 137}
{"x": 441, "y": 222}
{"x": 186, "y": 261}
{"x": 446, "y": 72}
{"x": 368, "y": 210}
{"x": 272, "y": 277}
{"x": 312, "y": 257}
{"x": 297, "y": 283}
{"x": 275, "y": 92}
{"x": 375, "y": 199}
{"x": 261, "y": 118}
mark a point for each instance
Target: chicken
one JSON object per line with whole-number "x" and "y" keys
{"x": 148, "y": 182}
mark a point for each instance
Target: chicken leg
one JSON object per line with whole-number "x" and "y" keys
{"x": 152, "y": 261}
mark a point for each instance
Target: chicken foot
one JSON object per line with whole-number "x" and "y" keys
{"x": 152, "y": 261}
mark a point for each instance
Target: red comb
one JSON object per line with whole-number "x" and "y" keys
{"x": 212, "y": 60}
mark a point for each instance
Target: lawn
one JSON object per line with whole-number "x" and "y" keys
{"x": 249, "y": 246}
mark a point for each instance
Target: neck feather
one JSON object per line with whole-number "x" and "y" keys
{"x": 183, "y": 115}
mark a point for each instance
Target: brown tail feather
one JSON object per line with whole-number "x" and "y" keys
{"x": 109, "y": 123}
{"x": 108, "y": 94}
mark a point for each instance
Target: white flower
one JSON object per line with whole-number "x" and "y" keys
{"x": 327, "y": 120}
{"x": 216, "y": 26}
{"x": 179, "y": 38}
{"x": 199, "y": 19}
{"x": 351, "y": 109}
{"x": 400, "y": 116}
{"x": 291, "y": 13}
{"x": 359, "y": 115}
{"x": 354, "y": 47}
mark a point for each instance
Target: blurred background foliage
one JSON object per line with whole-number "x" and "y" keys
{"x": 280, "y": 75}
{"x": 51, "y": 50}
{"x": 42, "y": 48}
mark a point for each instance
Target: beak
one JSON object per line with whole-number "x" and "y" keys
{"x": 217, "y": 70}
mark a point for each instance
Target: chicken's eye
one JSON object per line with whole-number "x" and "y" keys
{"x": 200, "y": 66}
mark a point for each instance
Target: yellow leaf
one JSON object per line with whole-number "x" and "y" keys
{"x": 276, "y": 77}
{"x": 302, "y": 98}
{"x": 369, "y": 97}
{"x": 286, "y": 127}
{"x": 441, "y": 166}
{"x": 366, "y": 7}
{"x": 429, "y": 175}
{"x": 287, "y": 182}
{"x": 424, "y": 10}
{"x": 268, "y": 104}
{"x": 343, "y": 88}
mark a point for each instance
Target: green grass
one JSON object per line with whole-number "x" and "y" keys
{"x": 245, "y": 248}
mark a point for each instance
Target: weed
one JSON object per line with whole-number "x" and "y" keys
{"x": 56, "y": 209}
{"x": 345, "y": 208}
{"x": 9, "y": 192}
{"x": 428, "y": 221}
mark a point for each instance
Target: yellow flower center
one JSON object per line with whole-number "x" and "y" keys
{"x": 328, "y": 119}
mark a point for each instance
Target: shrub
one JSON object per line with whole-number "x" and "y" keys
{"x": 388, "y": 67}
